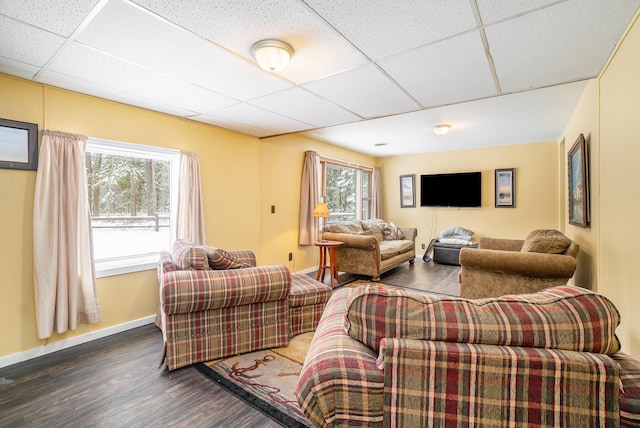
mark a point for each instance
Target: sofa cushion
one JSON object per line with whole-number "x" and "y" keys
{"x": 570, "y": 318}
{"x": 389, "y": 249}
{"x": 187, "y": 256}
{"x": 220, "y": 259}
{"x": 546, "y": 241}
{"x": 376, "y": 226}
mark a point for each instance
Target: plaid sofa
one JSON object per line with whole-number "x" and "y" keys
{"x": 389, "y": 357}
{"x": 211, "y": 310}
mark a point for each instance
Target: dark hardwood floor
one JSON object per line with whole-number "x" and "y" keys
{"x": 116, "y": 382}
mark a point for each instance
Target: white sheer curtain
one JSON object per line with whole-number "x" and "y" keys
{"x": 190, "y": 214}
{"x": 376, "y": 193}
{"x": 309, "y": 196}
{"x": 64, "y": 275}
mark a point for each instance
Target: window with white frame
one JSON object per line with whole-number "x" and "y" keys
{"x": 347, "y": 190}
{"x": 132, "y": 191}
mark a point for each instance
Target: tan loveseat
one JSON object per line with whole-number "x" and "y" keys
{"x": 371, "y": 247}
{"x": 546, "y": 258}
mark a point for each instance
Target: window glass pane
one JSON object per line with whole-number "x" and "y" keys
{"x": 130, "y": 202}
{"x": 366, "y": 184}
{"x": 341, "y": 192}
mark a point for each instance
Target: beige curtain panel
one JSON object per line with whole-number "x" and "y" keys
{"x": 64, "y": 275}
{"x": 309, "y": 195}
{"x": 190, "y": 215}
{"x": 376, "y": 193}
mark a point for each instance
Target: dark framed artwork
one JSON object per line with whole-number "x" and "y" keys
{"x": 505, "y": 183}
{"x": 578, "y": 167}
{"x": 18, "y": 145}
{"x": 408, "y": 191}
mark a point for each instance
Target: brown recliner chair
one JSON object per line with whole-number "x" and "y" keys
{"x": 546, "y": 258}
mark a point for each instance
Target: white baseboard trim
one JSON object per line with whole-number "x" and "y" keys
{"x": 73, "y": 341}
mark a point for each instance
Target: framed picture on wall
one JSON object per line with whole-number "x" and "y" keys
{"x": 407, "y": 191}
{"x": 505, "y": 188}
{"x": 578, "y": 168}
{"x": 18, "y": 145}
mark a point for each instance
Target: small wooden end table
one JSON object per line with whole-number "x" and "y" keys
{"x": 330, "y": 247}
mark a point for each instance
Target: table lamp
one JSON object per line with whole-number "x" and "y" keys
{"x": 321, "y": 211}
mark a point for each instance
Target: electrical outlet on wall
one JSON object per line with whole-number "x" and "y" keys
{"x": 424, "y": 246}
{"x": 290, "y": 256}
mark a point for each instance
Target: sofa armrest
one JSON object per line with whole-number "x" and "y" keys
{"x": 500, "y": 244}
{"x": 186, "y": 291}
{"x": 439, "y": 383}
{"x": 410, "y": 233}
{"x": 365, "y": 242}
{"x": 514, "y": 262}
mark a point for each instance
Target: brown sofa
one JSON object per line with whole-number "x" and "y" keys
{"x": 371, "y": 247}
{"x": 546, "y": 258}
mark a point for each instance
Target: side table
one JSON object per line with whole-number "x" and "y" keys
{"x": 328, "y": 261}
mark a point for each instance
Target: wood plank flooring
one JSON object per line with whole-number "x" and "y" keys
{"x": 116, "y": 382}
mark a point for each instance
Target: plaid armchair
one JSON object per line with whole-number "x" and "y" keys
{"x": 389, "y": 357}
{"x": 208, "y": 313}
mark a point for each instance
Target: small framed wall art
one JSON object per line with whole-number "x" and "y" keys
{"x": 578, "y": 167}
{"x": 408, "y": 191}
{"x": 506, "y": 188}
{"x": 18, "y": 145}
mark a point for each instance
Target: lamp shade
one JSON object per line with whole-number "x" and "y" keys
{"x": 272, "y": 55}
{"x": 321, "y": 210}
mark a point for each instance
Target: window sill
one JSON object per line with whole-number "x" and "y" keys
{"x": 123, "y": 266}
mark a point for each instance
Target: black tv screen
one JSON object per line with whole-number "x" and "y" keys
{"x": 451, "y": 190}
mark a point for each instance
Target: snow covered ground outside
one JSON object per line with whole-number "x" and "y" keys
{"x": 111, "y": 243}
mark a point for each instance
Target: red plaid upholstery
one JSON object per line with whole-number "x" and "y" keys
{"x": 630, "y": 391}
{"x": 186, "y": 256}
{"x": 307, "y": 300}
{"x": 569, "y": 318}
{"x": 441, "y": 383}
{"x": 339, "y": 383}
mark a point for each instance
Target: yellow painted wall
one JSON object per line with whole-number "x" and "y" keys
{"x": 282, "y": 161}
{"x": 619, "y": 186}
{"x": 536, "y": 191}
{"x": 230, "y": 168}
{"x": 584, "y": 121}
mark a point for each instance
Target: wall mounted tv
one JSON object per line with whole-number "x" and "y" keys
{"x": 462, "y": 189}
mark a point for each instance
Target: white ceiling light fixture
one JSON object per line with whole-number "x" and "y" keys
{"x": 272, "y": 55}
{"x": 441, "y": 129}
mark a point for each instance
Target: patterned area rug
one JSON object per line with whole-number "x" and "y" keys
{"x": 266, "y": 380}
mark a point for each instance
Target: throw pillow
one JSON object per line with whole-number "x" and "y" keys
{"x": 391, "y": 232}
{"x": 220, "y": 259}
{"x": 546, "y": 241}
{"x": 455, "y": 231}
{"x": 564, "y": 317}
{"x": 187, "y": 256}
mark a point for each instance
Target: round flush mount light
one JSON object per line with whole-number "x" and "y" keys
{"x": 441, "y": 129}
{"x": 272, "y": 55}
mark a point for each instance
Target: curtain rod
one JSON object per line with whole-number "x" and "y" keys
{"x": 344, "y": 163}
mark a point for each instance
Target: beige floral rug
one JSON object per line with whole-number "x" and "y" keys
{"x": 266, "y": 380}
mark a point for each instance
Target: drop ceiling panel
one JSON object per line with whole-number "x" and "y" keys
{"x": 446, "y": 72}
{"x": 306, "y": 107}
{"x": 57, "y": 16}
{"x": 381, "y": 28}
{"x": 234, "y": 126}
{"x": 25, "y": 43}
{"x": 131, "y": 33}
{"x": 81, "y": 62}
{"x": 497, "y": 10}
{"x": 365, "y": 91}
{"x": 17, "y": 68}
{"x": 252, "y": 116}
{"x": 87, "y": 87}
{"x": 318, "y": 50}
{"x": 489, "y": 122}
{"x": 545, "y": 47}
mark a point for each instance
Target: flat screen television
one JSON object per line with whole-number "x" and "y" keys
{"x": 462, "y": 189}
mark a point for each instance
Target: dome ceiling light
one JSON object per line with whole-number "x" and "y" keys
{"x": 441, "y": 129}
{"x": 272, "y": 55}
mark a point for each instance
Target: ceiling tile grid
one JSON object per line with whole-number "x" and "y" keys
{"x": 361, "y": 73}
